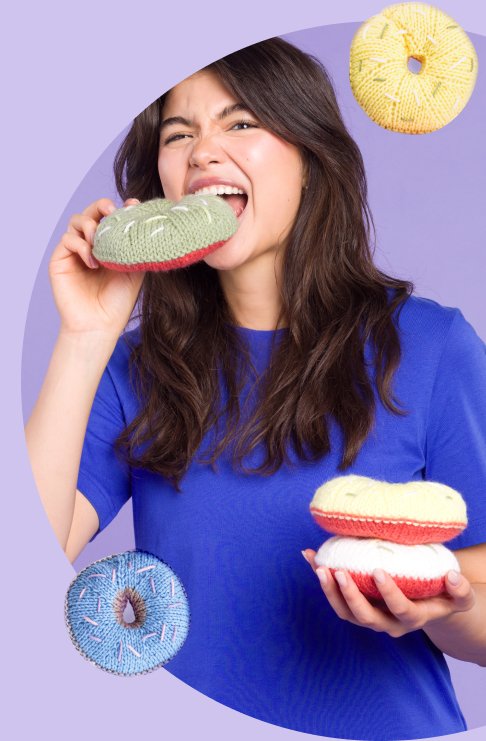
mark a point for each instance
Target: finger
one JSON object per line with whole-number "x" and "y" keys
{"x": 460, "y": 590}
{"x": 364, "y": 612}
{"x": 100, "y": 208}
{"x": 86, "y": 223}
{"x": 309, "y": 556}
{"x": 73, "y": 244}
{"x": 333, "y": 594}
{"x": 83, "y": 226}
{"x": 131, "y": 202}
{"x": 409, "y": 613}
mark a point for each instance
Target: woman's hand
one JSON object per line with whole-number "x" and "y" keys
{"x": 89, "y": 297}
{"x": 396, "y": 615}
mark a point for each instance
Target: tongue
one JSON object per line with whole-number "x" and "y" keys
{"x": 237, "y": 202}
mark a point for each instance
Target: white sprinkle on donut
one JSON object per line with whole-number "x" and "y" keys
{"x": 145, "y": 568}
{"x": 462, "y": 59}
{"x": 128, "y": 226}
{"x": 88, "y": 620}
{"x": 152, "y": 218}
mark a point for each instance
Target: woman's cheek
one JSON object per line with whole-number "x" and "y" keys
{"x": 171, "y": 175}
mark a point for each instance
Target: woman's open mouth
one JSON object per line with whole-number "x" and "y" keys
{"x": 237, "y": 202}
{"x": 235, "y": 197}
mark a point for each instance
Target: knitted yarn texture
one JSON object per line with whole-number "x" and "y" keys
{"x": 415, "y": 512}
{"x": 163, "y": 235}
{"x": 395, "y": 527}
{"x": 95, "y": 613}
{"x": 418, "y": 570}
{"x": 388, "y": 91}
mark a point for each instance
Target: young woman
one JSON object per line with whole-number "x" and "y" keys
{"x": 257, "y": 374}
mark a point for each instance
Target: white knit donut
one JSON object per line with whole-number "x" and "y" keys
{"x": 419, "y": 570}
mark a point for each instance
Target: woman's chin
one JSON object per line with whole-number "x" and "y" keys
{"x": 226, "y": 257}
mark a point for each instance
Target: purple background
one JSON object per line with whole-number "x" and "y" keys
{"x": 78, "y": 75}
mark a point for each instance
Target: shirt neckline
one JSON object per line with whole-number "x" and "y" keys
{"x": 262, "y": 332}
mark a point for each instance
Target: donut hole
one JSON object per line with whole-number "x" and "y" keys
{"x": 128, "y": 613}
{"x": 129, "y": 608}
{"x": 415, "y": 64}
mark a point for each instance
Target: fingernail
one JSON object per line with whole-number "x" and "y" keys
{"x": 111, "y": 208}
{"x": 340, "y": 577}
{"x": 379, "y": 576}
{"x": 93, "y": 262}
{"x": 454, "y": 577}
{"x": 305, "y": 556}
{"x": 322, "y": 576}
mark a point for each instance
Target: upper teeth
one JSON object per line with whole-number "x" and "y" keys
{"x": 219, "y": 190}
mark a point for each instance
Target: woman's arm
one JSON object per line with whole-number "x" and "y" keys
{"x": 462, "y": 635}
{"x": 56, "y": 428}
{"x": 455, "y": 622}
{"x": 95, "y": 305}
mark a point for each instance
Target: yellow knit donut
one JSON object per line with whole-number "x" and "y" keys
{"x": 388, "y": 91}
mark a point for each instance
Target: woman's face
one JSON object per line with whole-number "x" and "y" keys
{"x": 209, "y": 143}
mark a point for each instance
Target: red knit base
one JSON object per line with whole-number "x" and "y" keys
{"x": 398, "y": 532}
{"x": 178, "y": 262}
{"x": 411, "y": 587}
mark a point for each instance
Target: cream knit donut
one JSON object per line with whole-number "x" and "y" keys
{"x": 418, "y": 570}
{"x": 415, "y": 512}
{"x": 388, "y": 91}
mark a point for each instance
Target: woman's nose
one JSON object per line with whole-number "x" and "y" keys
{"x": 205, "y": 150}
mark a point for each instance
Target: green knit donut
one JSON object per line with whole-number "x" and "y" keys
{"x": 163, "y": 235}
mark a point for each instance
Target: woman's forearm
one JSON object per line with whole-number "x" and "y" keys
{"x": 57, "y": 426}
{"x": 462, "y": 635}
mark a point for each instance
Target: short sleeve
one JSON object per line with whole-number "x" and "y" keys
{"x": 456, "y": 427}
{"x": 104, "y": 478}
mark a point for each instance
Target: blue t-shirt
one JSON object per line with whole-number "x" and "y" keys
{"x": 263, "y": 638}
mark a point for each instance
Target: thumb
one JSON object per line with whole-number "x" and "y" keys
{"x": 461, "y": 590}
{"x": 309, "y": 555}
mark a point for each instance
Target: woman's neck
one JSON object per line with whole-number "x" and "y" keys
{"x": 251, "y": 291}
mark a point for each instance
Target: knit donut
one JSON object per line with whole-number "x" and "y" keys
{"x": 418, "y": 570}
{"x": 99, "y": 626}
{"x": 388, "y": 91}
{"x": 163, "y": 235}
{"x": 415, "y": 512}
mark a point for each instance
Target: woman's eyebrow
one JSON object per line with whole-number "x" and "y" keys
{"x": 227, "y": 111}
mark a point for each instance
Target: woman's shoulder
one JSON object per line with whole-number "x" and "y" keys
{"x": 420, "y": 312}
{"x": 424, "y": 320}
{"x": 430, "y": 329}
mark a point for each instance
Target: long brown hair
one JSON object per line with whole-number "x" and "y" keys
{"x": 333, "y": 297}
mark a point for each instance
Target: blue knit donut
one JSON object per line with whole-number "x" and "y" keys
{"x": 94, "y": 610}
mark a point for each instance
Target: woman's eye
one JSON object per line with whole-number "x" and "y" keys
{"x": 174, "y": 137}
{"x": 243, "y": 124}
{"x": 247, "y": 124}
